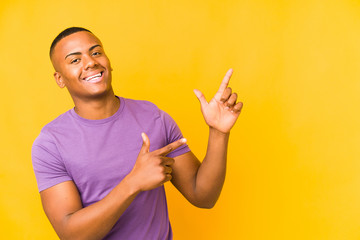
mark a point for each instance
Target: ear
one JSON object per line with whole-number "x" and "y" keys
{"x": 59, "y": 80}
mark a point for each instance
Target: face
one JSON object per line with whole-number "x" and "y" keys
{"x": 82, "y": 66}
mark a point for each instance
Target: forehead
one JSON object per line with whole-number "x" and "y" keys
{"x": 76, "y": 42}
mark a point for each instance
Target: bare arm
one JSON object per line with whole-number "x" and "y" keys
{"x": 70, "y": 220}
{"x": 201, "y": 183}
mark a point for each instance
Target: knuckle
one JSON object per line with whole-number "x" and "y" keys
{"x": 177, "y": 144}
{"x": 238, "y": 108}
{"x": 157, "y": 161}
{"x": 166, "y": 150}
{"x": 163, "y": 177}
{"x": 223, "y": 97}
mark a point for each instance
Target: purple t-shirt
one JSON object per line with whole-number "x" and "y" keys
{"x": 98, "y": 154}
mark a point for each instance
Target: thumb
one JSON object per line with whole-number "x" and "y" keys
{"x": 201, "y": 97}
{"x": 145, "y": 148}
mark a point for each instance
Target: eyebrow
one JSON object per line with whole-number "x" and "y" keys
{"x": 79, "y": 53}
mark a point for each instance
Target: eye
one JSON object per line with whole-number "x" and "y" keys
{"x": 76, "y": 60}
{"x": 96, "y": 53}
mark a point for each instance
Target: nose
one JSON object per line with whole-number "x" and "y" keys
{"x": 89, "y": 62}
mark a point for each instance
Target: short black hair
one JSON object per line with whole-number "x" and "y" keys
{"x": 64, "y": 34}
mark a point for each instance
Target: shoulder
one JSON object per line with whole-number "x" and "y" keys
{"x": 140, "y": 104}
{"x": 142, "y": 107}
{"x": 48, "y": 132}
{"x": 62, "y": 119}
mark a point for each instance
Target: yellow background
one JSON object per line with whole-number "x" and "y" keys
{"x": 293, "y": 168}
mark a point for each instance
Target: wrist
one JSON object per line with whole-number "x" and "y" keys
{"x": 217, "y": 133}
{"x": 131, "y": 186}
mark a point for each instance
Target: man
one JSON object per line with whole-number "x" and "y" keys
{"x": 101, "y": 166}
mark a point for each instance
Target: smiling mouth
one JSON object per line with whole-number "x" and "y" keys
{"x": 94, "y": 78}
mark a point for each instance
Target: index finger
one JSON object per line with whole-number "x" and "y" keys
{"x": 170, "y": 147}
{"x": 224, "y": 84}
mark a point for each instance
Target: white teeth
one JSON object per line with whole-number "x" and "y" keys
{"x": 94, "y": 76}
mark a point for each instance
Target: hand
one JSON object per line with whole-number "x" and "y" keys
{"x": 222, "y": 111}
{"x": 153, "y": 169}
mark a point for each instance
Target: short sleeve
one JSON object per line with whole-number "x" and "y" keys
{"x": 47, "y": 163}
{"x": 173, "y": 134}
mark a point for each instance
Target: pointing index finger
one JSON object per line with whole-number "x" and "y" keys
{"x": 224, "y": 84}
{"x": 170, "y": 147}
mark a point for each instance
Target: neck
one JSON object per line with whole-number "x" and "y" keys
{"x": 97, "y": 108}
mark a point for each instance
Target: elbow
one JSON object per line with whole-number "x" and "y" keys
{"x": 204, "y": 201}
{"x": 210, "y": 206}
{"x": 205, "y": 204}
{"x": 72, "y": 237}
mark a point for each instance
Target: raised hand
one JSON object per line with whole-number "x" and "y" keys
{"x": 222, "y": 111}
{"x": 153, "y": 169}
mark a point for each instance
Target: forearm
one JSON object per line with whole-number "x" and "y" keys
{"x": 201, "y": 183}
{"x": 70, "y": 220}
{"x": 211, "y": 173}
{"x": 96, "y": 220}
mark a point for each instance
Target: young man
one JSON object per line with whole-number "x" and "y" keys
{"x": 101, "y": 166}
